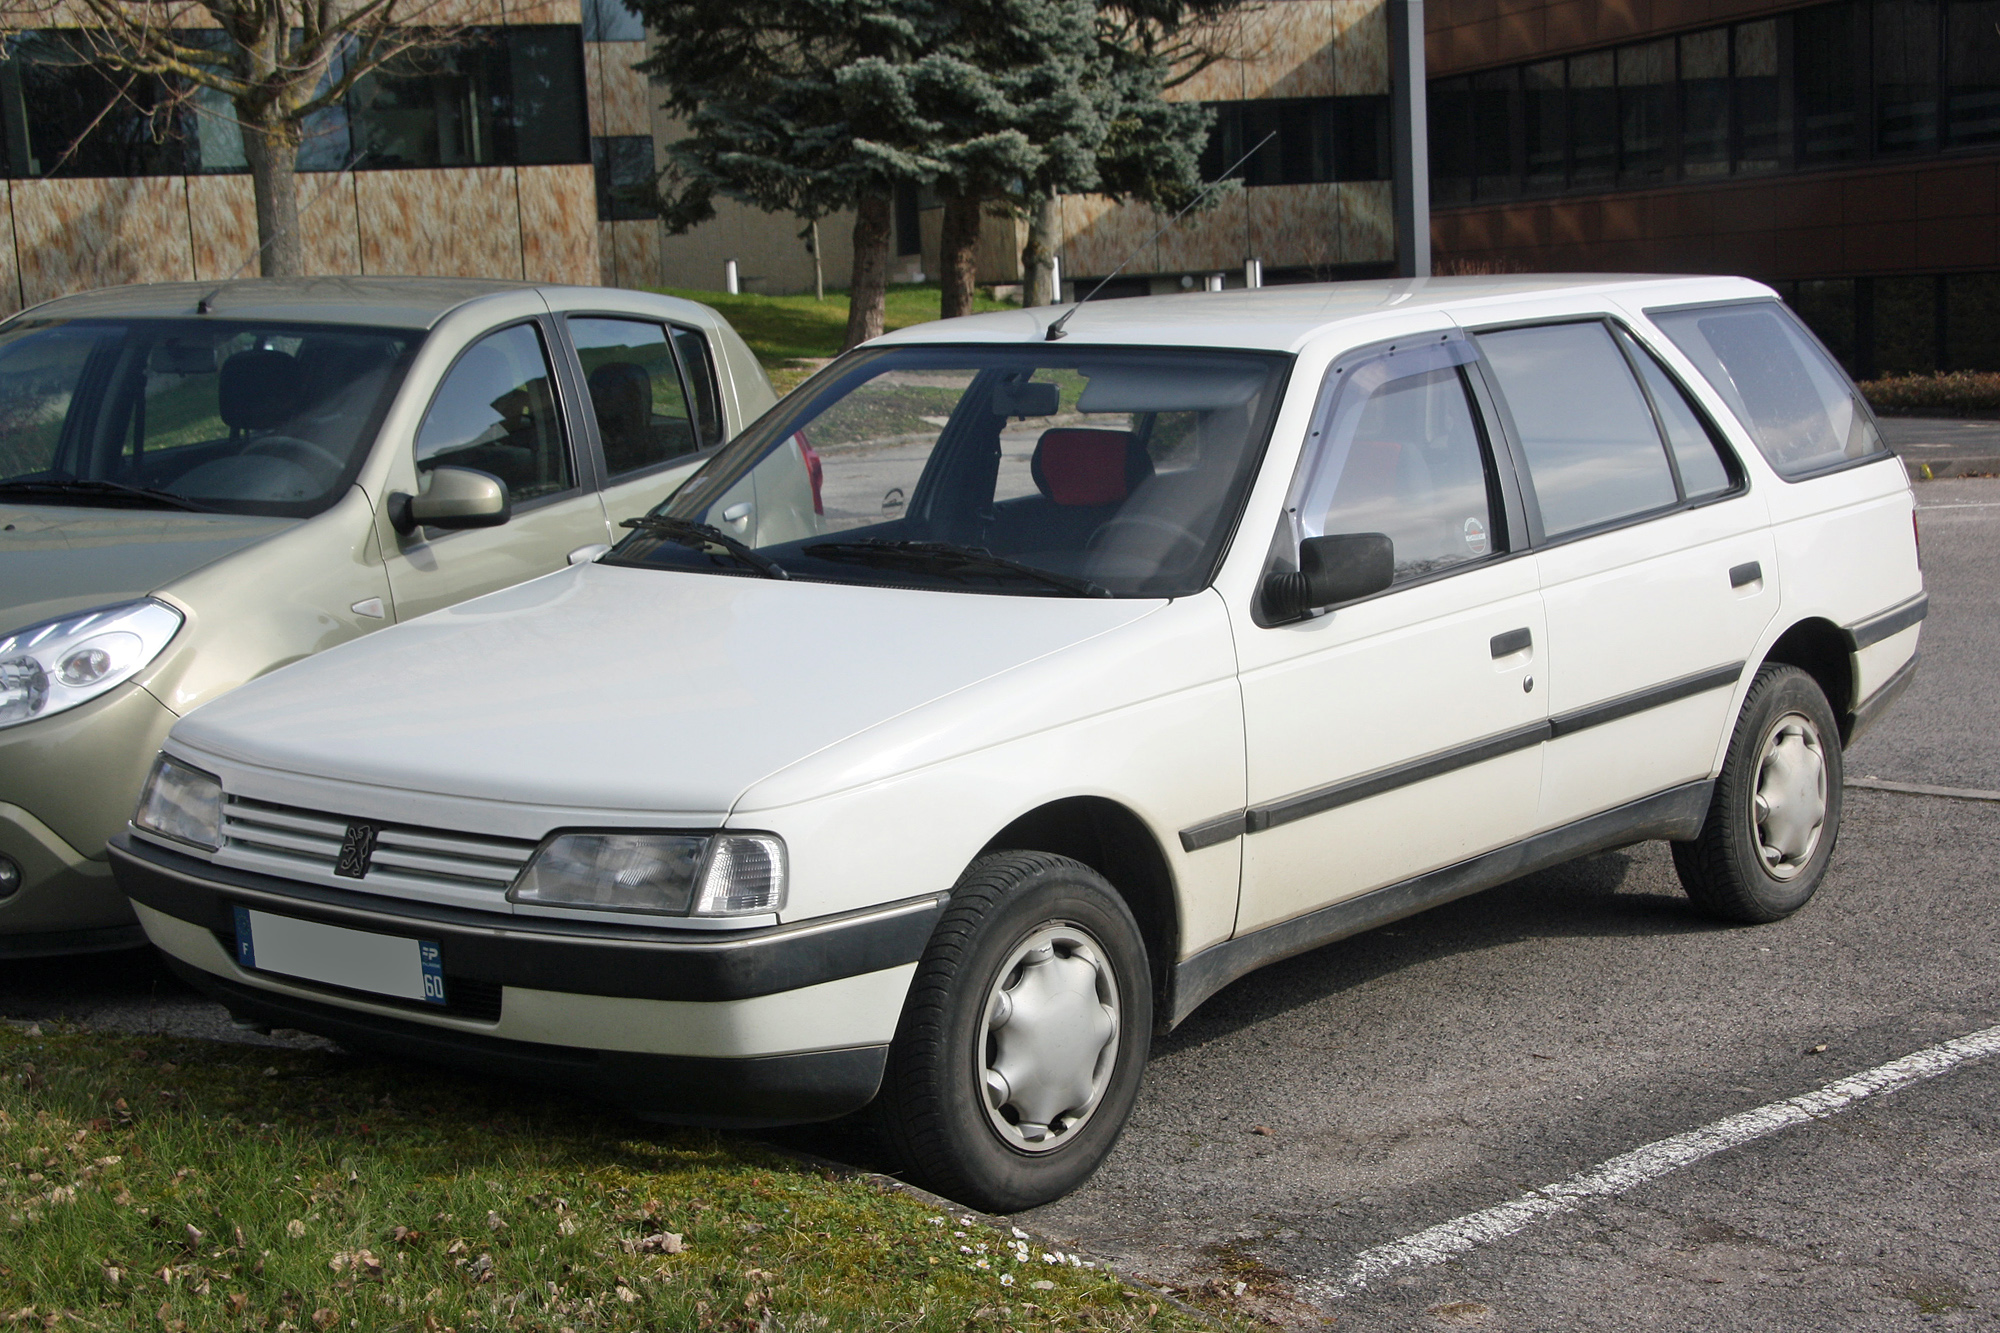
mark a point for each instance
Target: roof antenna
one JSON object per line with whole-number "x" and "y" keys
{"x": 207, "y": 303}
{"x": 1056, "y": 329}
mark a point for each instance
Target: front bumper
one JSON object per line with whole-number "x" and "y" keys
{"x": 67, "y": 783}
{"x": 776, "y": 1025}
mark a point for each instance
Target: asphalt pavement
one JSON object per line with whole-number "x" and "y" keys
{"x": 1423, "y": 1079}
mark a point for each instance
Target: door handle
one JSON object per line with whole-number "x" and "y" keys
{"x": 1513, "y": 641}
{"x": 1748, "y": 572}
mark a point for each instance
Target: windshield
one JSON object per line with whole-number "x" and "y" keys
{"x": 242, "y": 418}
{"x": 1032, "y": 469}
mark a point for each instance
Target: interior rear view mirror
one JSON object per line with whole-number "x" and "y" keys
{"x": 1026, "y": 398}
{"x": 1332, "y": 570}
{"x": 457, "y": 497}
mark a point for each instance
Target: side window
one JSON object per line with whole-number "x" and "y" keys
{"x": 1400, "y": 454}
{"x": 1594, "y": 453}
{"x": 635, "y": 392}
{"x": 1696, "y": 452}
{"x": 700, "y": 367}
{"x": 496, "y": 411}
{"x": 1799, "y": 406}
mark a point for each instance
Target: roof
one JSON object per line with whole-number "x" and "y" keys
{"x": 1286, "y": 318}
{"x": 384, "y": 302}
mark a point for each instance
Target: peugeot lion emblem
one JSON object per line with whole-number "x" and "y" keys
{"x": 356, "y": 850}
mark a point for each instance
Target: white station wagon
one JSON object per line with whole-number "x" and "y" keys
{"x": 1020, "y": 681}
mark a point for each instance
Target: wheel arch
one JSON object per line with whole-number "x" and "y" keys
{"x": 1115, "y": 842}
{"x": 1820, "y": 648}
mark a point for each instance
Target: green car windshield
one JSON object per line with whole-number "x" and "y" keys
{"x": 1033, "y": 470}
{"x": 220, "y": 415}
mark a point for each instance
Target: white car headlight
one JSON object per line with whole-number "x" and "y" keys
{"x": 59, "y": 664}
{"x": 181, "y": 803}
{"x": 675, "y": 874}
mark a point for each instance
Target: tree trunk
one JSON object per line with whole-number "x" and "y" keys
{"x": 1038, "y": 255}
{"x": 870, "y": 281}
{"x": 819, "y": 269}
{"x": 271, "y": 146}
{"x": 960, "y": 254}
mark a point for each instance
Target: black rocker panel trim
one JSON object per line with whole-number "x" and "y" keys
{"x": 1895, "y": 620}
{"x": 1677, "y": 814}
{"x": 581, "y": 958}
{"x": 749, "y": 1093}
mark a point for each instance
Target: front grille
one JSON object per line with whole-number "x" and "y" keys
{"x": 403, "y": 855}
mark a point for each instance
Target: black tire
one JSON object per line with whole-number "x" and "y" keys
{"x": 934, "y": 1109}
{"x": 1729, "y": 870}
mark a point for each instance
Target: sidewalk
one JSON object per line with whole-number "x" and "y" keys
{"x": 1946, "y": 446}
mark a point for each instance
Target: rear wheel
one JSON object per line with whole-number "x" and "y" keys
{"x": 1776, "y": 811}
{"x": 1024, "y": 1037}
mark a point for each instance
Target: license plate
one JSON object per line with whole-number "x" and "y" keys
{"x": 336, "y": 956}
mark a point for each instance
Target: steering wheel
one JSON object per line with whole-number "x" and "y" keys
{"x": 1178, "y": 535}
{"x": 304, "y": 453}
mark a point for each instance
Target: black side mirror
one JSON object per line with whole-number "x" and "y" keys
{"x": 1331, "y": 570}
{"x": 457, "y": 497}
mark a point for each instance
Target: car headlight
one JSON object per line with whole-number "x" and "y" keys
{"x": 181, "y": 803}
{"x": 675, "y": 874}
{"x": 59, "y": 664}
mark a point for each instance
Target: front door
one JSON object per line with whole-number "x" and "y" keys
{"x": 497, "y": 410}
{"x": 1401, "y": 732}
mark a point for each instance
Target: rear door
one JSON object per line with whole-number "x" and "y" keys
{"x": 1657, "y": 566}
{"x": 499, "y": 409}
{"x": 653, "y": 406}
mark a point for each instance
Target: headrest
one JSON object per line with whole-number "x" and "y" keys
{"x": 257, "y": 389}
{"x": 622, "y": 393}
{"x": 1083, "y": 467}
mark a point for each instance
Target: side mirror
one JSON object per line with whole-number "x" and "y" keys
{"x": 457, "y": 497}
{"x": 1331, "y": 570}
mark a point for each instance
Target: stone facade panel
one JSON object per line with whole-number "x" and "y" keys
{"x": 558, "y": 215}
{"x": 75, "y": 234}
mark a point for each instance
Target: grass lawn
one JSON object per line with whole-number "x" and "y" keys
{"x": 789, "y": 333}
{"x": 177, "y": 1185}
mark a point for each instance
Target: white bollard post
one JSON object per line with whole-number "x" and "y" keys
{"x": 1215, "y": 282}
{"x": 1253, "y": 273}
{"x": 729, "y": 277}
{"x": 1055, "y": 279}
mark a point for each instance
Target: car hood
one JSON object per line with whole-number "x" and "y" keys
{"x": 612, "y": 688}
{"x": 56, "y": 560}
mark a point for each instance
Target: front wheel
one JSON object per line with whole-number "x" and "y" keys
{"x": 1024, "y": 1037}
{"x": 1776, "y": 810}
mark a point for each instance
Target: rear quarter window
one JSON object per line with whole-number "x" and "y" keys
{"x": 1798, "y": 405}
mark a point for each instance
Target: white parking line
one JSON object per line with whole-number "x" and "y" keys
{"x": 1439, "y": 1243}
{"x": 1983, "y": 504}
{"x": 1924, "y": 789}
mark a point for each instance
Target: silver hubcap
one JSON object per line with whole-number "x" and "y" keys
{"x": 1049, "y": 1038}
{"x": 1790, "y": 804}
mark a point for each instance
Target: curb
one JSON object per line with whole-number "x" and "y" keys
{"x": 1937, "y": 469}
{"x": 1000, "y": 1225}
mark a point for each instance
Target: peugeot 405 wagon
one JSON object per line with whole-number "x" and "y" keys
{"x": 201, "y": 482}
{"x": 1110, "y": 654}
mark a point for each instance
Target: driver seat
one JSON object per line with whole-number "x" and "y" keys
{"x": 258, "y": 390}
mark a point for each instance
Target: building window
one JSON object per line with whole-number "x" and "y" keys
{"x": 611, "y": 21}
{"x": 495, "y": 97}
{"x": 1822, "y": 86}
{"x": 1305, "y": 141}
{"x": 624, "y": 169}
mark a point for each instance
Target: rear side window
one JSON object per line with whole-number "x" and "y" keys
{"x": 1798, "y": 405}
{"x": 1594, "y": 453}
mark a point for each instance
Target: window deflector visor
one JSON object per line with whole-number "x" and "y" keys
{"x": 1339, "y": 415}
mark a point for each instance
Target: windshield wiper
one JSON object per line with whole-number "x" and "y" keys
{"x": 701, "y": 536}
{"x": 87, "y": 486}
{"x": 949, "y": 558}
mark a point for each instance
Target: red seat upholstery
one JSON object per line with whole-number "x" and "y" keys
{"x": 1082, "y": 467}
